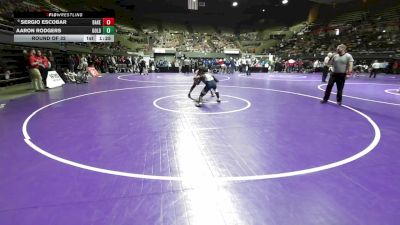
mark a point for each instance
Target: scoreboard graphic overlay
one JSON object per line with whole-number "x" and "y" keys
{"x": 64, "y": 27}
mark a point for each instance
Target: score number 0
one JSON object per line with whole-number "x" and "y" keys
{"x": 108, "y": 21}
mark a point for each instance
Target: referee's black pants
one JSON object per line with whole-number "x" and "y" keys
{"x": 339, "y": 79}
{"x": 373, "y": 73}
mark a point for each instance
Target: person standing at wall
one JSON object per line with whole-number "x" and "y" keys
{"x": 34, "y": 71}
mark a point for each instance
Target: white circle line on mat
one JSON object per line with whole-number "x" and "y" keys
{"x": 359, "y": 98}
{"x": 248, "y": 104}
{"x": 393, "y": 91}
{"x": 365, "y": 151}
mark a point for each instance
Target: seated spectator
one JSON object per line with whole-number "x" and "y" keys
{"x": 71, "y": 76}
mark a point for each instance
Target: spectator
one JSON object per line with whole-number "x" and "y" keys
{"x": 34, "y": 71}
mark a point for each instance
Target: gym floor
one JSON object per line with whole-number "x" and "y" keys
{"x": 130, "y": 149}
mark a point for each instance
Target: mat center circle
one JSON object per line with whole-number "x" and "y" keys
{"x": 180, "y": 103}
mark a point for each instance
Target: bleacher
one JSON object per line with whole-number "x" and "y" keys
{"x": 150, "y": 28}
{"x": 375, "y": 34}
{"x": 299, "y": 40}
{"x": 390, "y": 14}
{"x": 174, "y": 28}
{"x": 45, "y": 4}
{"x": 349, "y": 18}
{"x": 12, "y": 78}
{"x": 11, "y": 60}
{"x": 203, "y": 29}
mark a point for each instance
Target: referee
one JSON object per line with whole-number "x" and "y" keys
{"x": 342, "y": 67}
